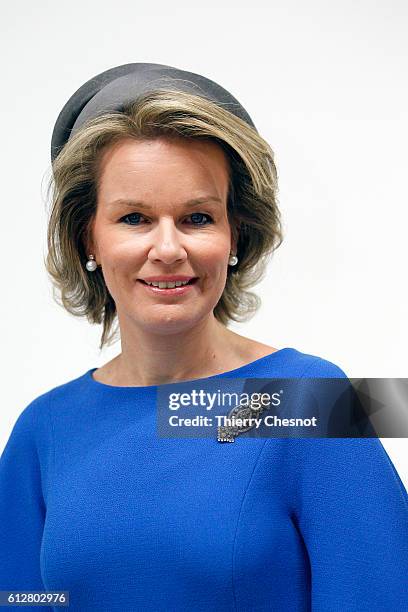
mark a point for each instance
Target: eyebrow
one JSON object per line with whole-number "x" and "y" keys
{"x": 143, "y": 206}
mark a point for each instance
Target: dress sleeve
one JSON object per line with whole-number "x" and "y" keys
{"x": 22, "y": 508}
{"x": 352, "y": 512}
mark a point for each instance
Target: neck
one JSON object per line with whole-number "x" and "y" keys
{"x": 154, "y": 359}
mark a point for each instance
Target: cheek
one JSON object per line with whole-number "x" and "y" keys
{"x": 209, "y": 258}
{"x": 216, "y": 269}
{"x": 119, "y": 263}
{"x": 119, "y": 254}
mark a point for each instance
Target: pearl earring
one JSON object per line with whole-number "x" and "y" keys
{"x": 91, "y": 264}
{"x": 233, "y": 260}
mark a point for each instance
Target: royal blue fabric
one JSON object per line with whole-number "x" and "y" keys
{"x": 93, "y": 502}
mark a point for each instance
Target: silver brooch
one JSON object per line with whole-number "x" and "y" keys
{"x": 241, "y": 420}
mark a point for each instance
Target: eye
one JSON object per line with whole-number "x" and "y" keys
{"x": 134, "y": 218}
{"x": 197, "y": 216}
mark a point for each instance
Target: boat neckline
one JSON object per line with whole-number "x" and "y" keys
{"x": 236, "y": 371}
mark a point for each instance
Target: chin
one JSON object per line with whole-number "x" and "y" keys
{"x": 168, "y": 324}
{"x": 167, "y": 328}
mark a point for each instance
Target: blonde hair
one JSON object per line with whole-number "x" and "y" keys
{"x": 251, "y": 206}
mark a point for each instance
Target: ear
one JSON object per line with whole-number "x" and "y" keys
{"x": 88, "y": 242}
{"x": 234, "y": 236}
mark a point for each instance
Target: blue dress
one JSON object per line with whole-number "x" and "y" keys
{"x": 94, "y": 502}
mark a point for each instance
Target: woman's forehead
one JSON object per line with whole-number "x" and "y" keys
{"x": 163, "y": 148}
{"x": 150, "y": 168}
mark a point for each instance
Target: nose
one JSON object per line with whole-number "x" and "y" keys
{"x": 167, "y": 246}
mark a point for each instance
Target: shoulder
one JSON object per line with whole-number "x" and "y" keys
{"x": 315, "y": 365}
{"x": 29, "y": 430}
{"x": 293, "y": 363}
{"x": 35, "y": 416}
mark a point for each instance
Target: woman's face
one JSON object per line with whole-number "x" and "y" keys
{"x": 148, "y": 225}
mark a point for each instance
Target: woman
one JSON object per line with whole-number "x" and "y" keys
{"x": 164, "y": 213}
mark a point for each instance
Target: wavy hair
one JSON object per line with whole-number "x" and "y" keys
{"x": 251, "y": 205}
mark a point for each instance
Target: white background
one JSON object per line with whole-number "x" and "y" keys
{"x": 326, "y": 85}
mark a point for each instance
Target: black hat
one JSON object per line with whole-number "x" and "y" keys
{"x": 112, "y": 89}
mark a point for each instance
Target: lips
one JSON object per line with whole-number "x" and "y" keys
{"x": 169, "y": 292}
{"x": 190, "y": 282}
